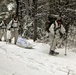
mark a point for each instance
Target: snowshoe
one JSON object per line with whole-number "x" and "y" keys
{"x": 53, "y": 52}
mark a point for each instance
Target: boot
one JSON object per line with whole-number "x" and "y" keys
{"x": 5, "y": 40}
{"x": 9, "y": 40}
{"x": 53, "y": 52}
{"x": 0, "y": 40}
{"x": 15, "y": 43}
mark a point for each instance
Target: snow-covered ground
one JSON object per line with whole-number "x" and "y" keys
{"x": 15, "y": 60}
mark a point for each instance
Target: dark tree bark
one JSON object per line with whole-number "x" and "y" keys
{"x": 21, "y": 12}
{"x": 1, "y": 1}
{"x": 29, "y": 10}
{"x": 35, "y": 19}
{"x": 17, "y": 7}
{"x": 28, "y": 2}
{"x": 20, "y": 9}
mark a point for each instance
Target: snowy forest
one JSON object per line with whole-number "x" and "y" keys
{"x": 32, "y": 16}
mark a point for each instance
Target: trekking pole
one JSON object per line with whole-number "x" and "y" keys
{"x": 66, "y": 50}
{"x": 6, "y": 36}
{"x": 66, "y": 46}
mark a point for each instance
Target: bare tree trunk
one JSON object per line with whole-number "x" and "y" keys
{"x": 51, "y": 2}
{"x": 35, "y": 19}
{"x": 29, "y": 7}
{"x": 21, "y": 13}
{"x": 17, "y": 8}
{"x": 20, "y": 10}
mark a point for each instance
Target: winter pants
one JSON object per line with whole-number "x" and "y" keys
{"x": 55, "y": 41}
{"x": 14, "y": 34}
{"x": 3, "y": 32}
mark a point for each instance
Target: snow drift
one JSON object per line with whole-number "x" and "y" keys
{"x": 15, "y": 60}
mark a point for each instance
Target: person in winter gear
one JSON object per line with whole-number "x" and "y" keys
{"x": 13, "y": 27}
{"x": 3, "y": 29}
{"x": 56, "y": 29}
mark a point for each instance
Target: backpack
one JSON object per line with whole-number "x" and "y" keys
{"x": 60, "y": 28}
{"x": 51, "y": 19}
{"x": 14, "y": 24}
{"x": 49, "y": 23}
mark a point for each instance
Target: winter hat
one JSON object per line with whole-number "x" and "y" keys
{"x": 59, "y": 20}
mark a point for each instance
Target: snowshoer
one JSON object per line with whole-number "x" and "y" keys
{"x": 56, "y": 31}
{"x": 3, "y": 29}
{"x": 13, "y": 27}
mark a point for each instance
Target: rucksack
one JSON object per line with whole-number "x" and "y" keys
{"x": 51, "y": 20}
{"x": 48, "y": 23}
{"x": 13, "y": 25}
{"x": 60, "y": 27}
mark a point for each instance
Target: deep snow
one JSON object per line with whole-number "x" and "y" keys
{"x": 15, "y": 60}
